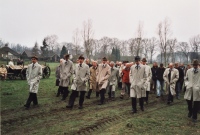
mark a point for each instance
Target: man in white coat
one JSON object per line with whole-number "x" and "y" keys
{"x": 149, "y": 76}
{"x": 33, "y": 75}
{"x": 138, "y": 78}
{"x": 192, "y": 94}
{"x": 81, "y": 76}
{"x": 171, "y": 76}
{"x": 66, "y": 71}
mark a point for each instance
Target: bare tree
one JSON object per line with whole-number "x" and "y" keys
{"x": 123, "y": 48}
{"x": 195, "y": 45}
{"x": 87, "y": 35}
{"x": 139, "y": 33}
{"x": 185, "y": 49}
{"x": 146, "y": 47}
{"x": 76, "y": 42}
{"x": 164, "y": 33}
{"x": 51, "y": 41}
{"x": 105, "y": 43}
{"x": 131, "y": 43}
{"x": 152, "y": 47}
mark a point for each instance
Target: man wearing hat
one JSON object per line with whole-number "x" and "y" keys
{"x": 80, "y": 77}
{"x": 66, "y": 71}
{"x": 192, "y": 94}
{"x": 138, "y": 79}
{"x": 103, "y": 73}
{"x": 149, "y": 76}
{"x": 33, "y": 75}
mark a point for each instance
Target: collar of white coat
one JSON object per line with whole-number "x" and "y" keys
{"x": 137, "y": 65}
{"x": 104, "y": 65}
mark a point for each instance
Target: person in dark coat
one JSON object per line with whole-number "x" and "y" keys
{"x": 160, "y": 81}
{"x": 88, "y": 63}
{"x": 154, "y": 77}
{"x": 19, "y": 62}
{"x": 181, "y": 78}
{"x": 57, "y": 74}
{"x": 183, "y": 68}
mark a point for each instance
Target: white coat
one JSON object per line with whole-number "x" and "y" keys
{"x": 33, "y": 75}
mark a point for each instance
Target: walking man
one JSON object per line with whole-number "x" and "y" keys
{"x": 125, "y": 80}
{"x": 149, "y": 77}
{"x": 103, "y": 73}
{"x": 170, "y": 77}
{"x": 154, "y": 77}
{"x": 160, "y": 81}
{"x": 138, "y": 78}
{"x": 33, "y": 75}
{"x": 93, "y": 82}
{"x": 80, "y": 76}
{"x": 181, "y": 79}
{"x": 192, "y": 94}
{"x": 112, "y": 81}
{"x": 66, "y": 70}
{"x": 60, "y": 90}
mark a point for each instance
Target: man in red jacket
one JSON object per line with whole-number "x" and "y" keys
{"x": 125, "y": 80}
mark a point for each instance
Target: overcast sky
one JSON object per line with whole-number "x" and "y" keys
{"x": 27, "y": 21}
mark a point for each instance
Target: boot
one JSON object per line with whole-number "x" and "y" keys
{"x": 109, "y": 94}
{"x": 97, "y": 94}
{"x": 134, "y": 111}
{"x": 113, "y": 95}
{"x": 189, "y": 114}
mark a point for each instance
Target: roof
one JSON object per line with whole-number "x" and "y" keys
{"x": 7, "y": 49}
{"x": 30, "y": 53}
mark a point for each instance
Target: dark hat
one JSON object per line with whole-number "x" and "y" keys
{"x": 195, "y": 62}
{"x": 81, "y": 57}
{"x": 66, "y": 56}
{"x": 144, "y": 60}
{"x": 104, "y": 59}
{"x": 34, "y": 57}
{"x": 137, "y": 58}
{"x": 161, "y": 64}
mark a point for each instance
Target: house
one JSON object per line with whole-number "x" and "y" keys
{"x": 7, "y": 53}
{"x": 53, "y": 57}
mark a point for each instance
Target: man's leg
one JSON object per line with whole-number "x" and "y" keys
{"x": 154, "y": 86}
{"x": 113, "y": 92}
{"x": 189, "y": 102}
{"x": 134, "y": 105}
{"x": 128, "y": 86}
{"x": 30, "y": 99}
{"x": 109, "y": 91}
{"x": 141, "y": 100}
{"x": 59, "y": 90}
{"x": 72, "y": 99}
{"x": 89, "y": 93}
{"x": 177, "y": 89}
{"x": 66, "y": 92}
{"x": 147, "y": 97}
{"x": 102, "y": 92}
{"x": 170, "y": 97}
{"x": 195, "y": 110}
{"x": 123, "y": 90}
{"x": 35, "y": 102}
{"x": 162, "y": 87}
{"x": 158, "y": 88}
{"x": 81, "y": 100}
{"x": 181, "y": 85}
{"x": 97, "y": 94}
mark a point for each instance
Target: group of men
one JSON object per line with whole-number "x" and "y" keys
{"x": 138, "y": 79}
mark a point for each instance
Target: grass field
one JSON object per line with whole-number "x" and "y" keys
{"x": 112, "y": 118}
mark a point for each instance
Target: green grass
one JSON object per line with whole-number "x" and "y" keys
{"x": 112, "y": 118}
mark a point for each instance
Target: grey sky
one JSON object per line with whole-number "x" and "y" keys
{"x": 25, "y": 21}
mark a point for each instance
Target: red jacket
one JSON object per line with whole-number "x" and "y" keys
{"x": 126, "y": 75}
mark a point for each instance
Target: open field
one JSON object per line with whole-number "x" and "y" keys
{"x": 51, "y": 116}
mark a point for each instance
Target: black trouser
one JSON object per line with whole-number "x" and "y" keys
{"x": 147, "y": 96}
{"x": 65, "y": 91}
{"x": 102, "y": 93}
{"x": 170, "y": 97}
{"x": 89, "y": 92}
{"x": 193, "y": 110}
{"x": 120, "y": 85}
{"x": 97, "y": 94}
{"x": 73, "y": 97}
{"x": 181, "y": 87}
{"x": 32, "y": 97}
{"x": 60, "y": 90}
{"x": 134, "y": 104}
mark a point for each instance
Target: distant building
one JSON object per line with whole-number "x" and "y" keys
{"x": 7, "y": 53}
{"x": 53, "y": 57}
